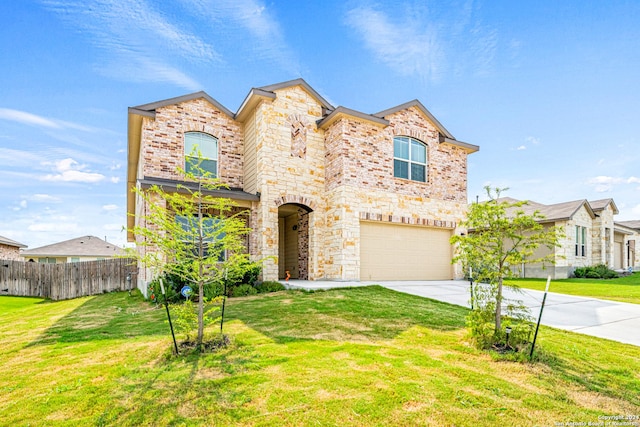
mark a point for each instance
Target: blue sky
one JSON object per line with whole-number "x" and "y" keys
{"x": 549, "y": 90}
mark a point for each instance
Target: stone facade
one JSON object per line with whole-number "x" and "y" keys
{"x": 10, "y": 252}
{"x": 315, "y": 172}
{"x": 606, "y": 243}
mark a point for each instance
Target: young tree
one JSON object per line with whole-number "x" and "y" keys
{"x": 501, "y": 236}
{"x": 192, "y": 234}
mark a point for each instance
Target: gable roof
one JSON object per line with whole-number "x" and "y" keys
{"x": 445, "y": 136}
{"x": 9, "y": 242}
{"x": 341, "y": 111}
{"x": 149, "y": 110}
{"x": 600, "y": 205}
{"x": 556, "y": 212}
{"x": 80, "y": 246}
{"x": 423, "y": 109}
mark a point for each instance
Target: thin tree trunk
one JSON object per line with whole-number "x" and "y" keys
{"x": 200, "y": 271}
{"x": 499, "y": 306}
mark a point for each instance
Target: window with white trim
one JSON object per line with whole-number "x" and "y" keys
{"x": 201, "y": 147}
{"x": 581, "y": 241}
{"x": 409, "y": 159}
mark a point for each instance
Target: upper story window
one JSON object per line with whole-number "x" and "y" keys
{"x": 409, "y": 159}
{"x": 198, "y": 143}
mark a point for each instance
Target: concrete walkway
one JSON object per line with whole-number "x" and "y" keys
{"x": 605, "y": 319}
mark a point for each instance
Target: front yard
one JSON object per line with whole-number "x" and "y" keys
{"x": 361, "y": 357}
{"x": 623, "y": 289}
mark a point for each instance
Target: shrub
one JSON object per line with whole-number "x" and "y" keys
{"x": 269, "y": 286}
{"x": 600, "y": 271}
{"x": 172, "y": 286}
{"x": 243, "y": 290}
{"x": 580, "y": 272}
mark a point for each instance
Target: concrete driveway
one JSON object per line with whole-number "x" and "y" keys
{"x": 605, "y": 319}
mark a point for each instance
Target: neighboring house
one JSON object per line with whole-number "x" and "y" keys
{"x": 591, "y": 237}
{"x": 332, "y": 193}
{"x": 85, "y": 248}
{"x": 627, "y": 244}
{"x": 10, "y": 249}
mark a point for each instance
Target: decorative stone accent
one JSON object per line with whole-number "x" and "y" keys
{"x": 298, "y": 135}
{"x": 303, "y": 244}
{"x": 292, "y": 198}
{"x": 366, "y": 216}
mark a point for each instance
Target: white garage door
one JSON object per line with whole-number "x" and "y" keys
{"x": 402, "y": 252}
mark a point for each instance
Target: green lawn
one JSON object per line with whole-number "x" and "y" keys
{"x": 356, "y": 357}
{"x": 623, "y": 289}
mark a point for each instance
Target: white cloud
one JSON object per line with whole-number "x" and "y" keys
{"x": 136, "y": 38}
{"x": 602, "y": 188}
{"x": 110, "y": 207}
{"x": 115, "y": 179}
{"x": 418, "y": 42}
{"x": 636, "y": 210}
{"x": 254, "y": 17}
{"x": 71, "y": 171}
{"x": 44, "y": 198}
{"x": 633, "y": 180}
{"x": 533, "y": 140}
{"x": 408, "y": 47}
{"x": 113, "y": 227}
{"x": 53, "y": 226}
{"x": 23, "y": 204}
{"x": 30, "y": 119}
{"x": 606, "y": 180}
{"x": 522, "y": 147}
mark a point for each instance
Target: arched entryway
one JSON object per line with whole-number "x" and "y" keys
{"x": 293, "y": 241}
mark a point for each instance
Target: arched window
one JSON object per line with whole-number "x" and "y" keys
{"x": 409, "y": 159}
{"x": 198, "y": 144}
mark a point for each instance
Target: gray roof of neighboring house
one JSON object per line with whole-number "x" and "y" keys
{"x": 635, "y": 224}
{"x": 556, "y": 212}
{"x": 7, "y": 241}
{"x": 80, "y": 246}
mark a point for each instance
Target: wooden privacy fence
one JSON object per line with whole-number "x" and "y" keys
{"x": 65, "y": 281}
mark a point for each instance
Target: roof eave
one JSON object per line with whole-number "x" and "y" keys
{"x": 417, "y": 104}
{"x": 341, "y": 112}
{"x": 175, "y": 186}
{"x": 470, "y": 148}
{"x": 254, "y": 97}
{"x": 299, "y": 82}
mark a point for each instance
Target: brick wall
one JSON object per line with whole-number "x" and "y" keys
{"x": 163, "y": 140}
{"x": 360, "y": 154}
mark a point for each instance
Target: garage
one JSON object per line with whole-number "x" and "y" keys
{"x": 404, "y": 252}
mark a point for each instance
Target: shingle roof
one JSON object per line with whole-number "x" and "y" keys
{"x": 598, "y": 205}
{"x": 555, "y": 212}
{"x": 7, "y": 241}
{"x": 635, "y": 224}
{"x": 80, "y": 246}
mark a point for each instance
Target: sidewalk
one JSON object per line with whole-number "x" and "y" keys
{"x": 600, "y": 318}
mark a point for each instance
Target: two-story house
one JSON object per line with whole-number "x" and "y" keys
{"x": 333, "y": 193}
